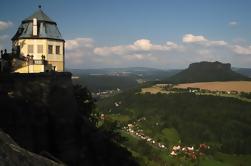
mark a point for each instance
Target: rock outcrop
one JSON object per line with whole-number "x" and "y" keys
{"x": 206, "y": 72}
{"x": 12, "y": 154}
{"x": 43, "y": 115}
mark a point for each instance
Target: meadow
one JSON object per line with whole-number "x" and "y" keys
{"x": 239, "y": 86}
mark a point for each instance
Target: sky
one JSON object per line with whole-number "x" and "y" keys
{"x": 165, "y": 34}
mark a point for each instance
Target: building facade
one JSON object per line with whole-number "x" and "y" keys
{"x": 38, "y": 40}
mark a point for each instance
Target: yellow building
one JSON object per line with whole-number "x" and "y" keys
{"x": 38, "y": 40}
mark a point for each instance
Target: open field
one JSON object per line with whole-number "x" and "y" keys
{"x": 240, "y": 86}
{"x": 153, "y": 90}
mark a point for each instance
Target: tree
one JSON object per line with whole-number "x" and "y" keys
{"x": 85, "y": 102}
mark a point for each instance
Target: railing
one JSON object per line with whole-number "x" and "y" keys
{"x": 37, "y": 62}
{"x": 16, "y": 60}
{"x": 32, "y": 61}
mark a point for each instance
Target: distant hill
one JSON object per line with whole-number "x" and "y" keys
{"x": 206, "y": 72}
{"x": 146, "y": 73}
{"x": 122, "y": 78}
{"x": 243, "y": 71}
{"x": 97, "y": 82}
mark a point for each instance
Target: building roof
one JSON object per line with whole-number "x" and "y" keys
{"x": 47, "y": 28}
{"x": 39, "y": 15}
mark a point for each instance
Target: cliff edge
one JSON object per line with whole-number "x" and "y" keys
{"x": 45, "y": 114}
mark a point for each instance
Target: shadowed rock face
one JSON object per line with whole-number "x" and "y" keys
{"x": 12, "y": 154}
{"x": 210, "y": 66}
{"x": 41, "y": 113}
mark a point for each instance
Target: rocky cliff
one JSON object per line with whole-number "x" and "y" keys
{"x": 206, "y": 72}
{"x": 43, "y": 113}
{"x": 12, "y": 154}
{"x": 206, "y": 66}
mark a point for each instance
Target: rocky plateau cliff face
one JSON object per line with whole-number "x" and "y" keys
{"x": 206, "y": 72}
{"x": 210, "y": 66}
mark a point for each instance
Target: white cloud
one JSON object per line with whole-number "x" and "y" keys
{"x": 79, "y": 51}
{"x": 108, "y": 51}
{"x": 79, "y": 42}
{"x": 242, "y": 50}
{"x": 141, "y": 57}
{"x": 171, "y": 44}
{"x": 141, "y": 45}
{"x": 233, "y": 23}
{"x": 190, "y": 38}
{"x": 134, "y": 57}
{"x": 216, "y": 43}
{"x": 5, "y": 25}
{"x": 84, "y": 53}
{"x": 199, "y": 39}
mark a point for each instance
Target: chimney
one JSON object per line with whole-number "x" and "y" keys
{"x": 34, "y": 27}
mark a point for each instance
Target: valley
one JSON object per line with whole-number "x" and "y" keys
{"x": 125, "y": 83}
{"x": 152, "y": 121}
{"x": 192, "y": 117}
{"x": 167, "y": 123}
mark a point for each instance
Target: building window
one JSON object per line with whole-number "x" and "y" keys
{"x": 57, "y": 49}
{"x": 40, "y": 49}
{"x": 50, "y": 49}
{"x": 30, "y": 49}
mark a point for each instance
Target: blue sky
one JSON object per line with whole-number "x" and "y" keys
{"x": 151, "y": 33}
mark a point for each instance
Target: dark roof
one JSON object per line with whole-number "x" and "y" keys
{"x": 46, "y": 28}
{"x": 40, "y": 16}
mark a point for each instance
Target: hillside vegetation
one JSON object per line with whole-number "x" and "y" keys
{"x": 123, "y": 78}
{"x": 106, "y": 82}
{"x": 184, "y": 119}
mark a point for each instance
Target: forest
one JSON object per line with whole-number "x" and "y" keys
{"x": 184, "y": 119}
